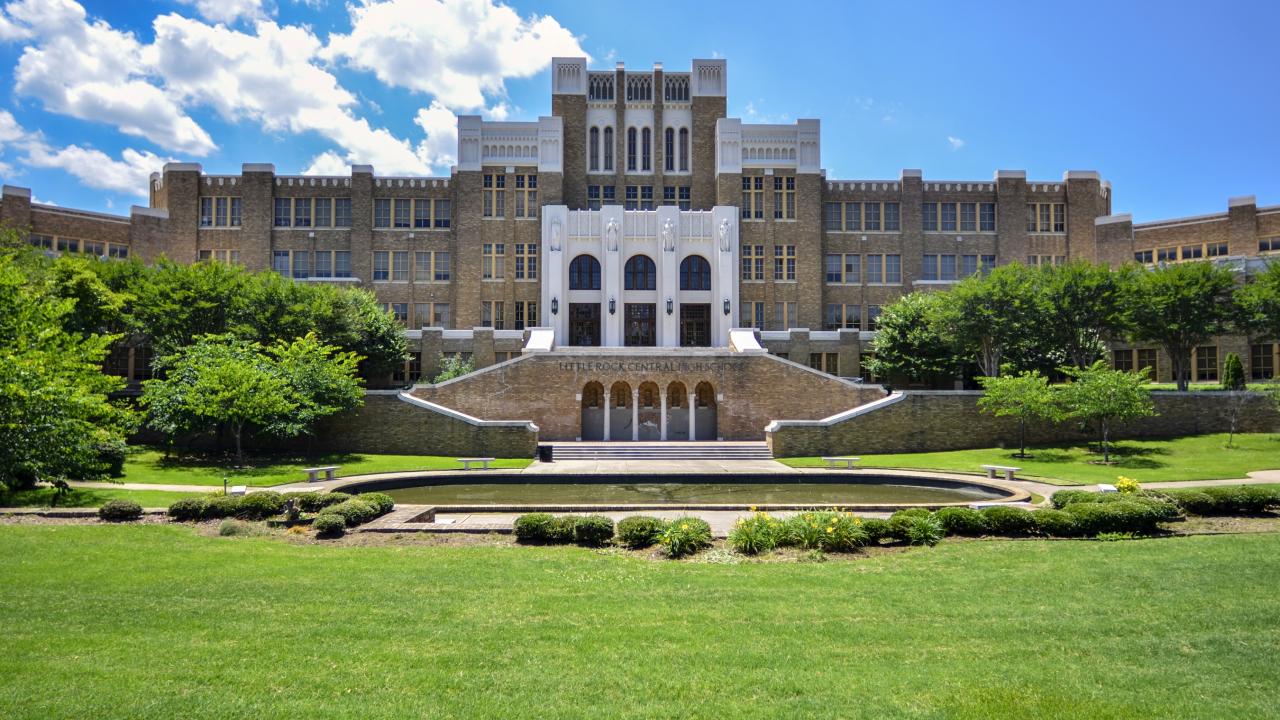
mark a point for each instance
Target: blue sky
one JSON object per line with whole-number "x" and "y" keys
{"x": 1175, "y": 103}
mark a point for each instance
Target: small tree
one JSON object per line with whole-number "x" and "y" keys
{"x": 1232, "y": 373}
{"x": 452, "y": 367}
{"x": 1236, "y": 402}
{"x": 1180, "y": 307}
{"x": 1026, "y": 396}
{"x": 1259, "y": 301}
{"x": 909, "y": 339}
{"x": 1104, "y": 396}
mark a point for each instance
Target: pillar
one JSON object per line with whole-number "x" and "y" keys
{"x": 662, "y": 418}
{"x": 692, "y": 421}
{"x": 608, "y": 397}
{"x": 635, "y": 412}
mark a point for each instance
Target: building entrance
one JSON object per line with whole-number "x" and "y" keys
{"x": 584, "y": 324}
{"x": 695, "y": 325}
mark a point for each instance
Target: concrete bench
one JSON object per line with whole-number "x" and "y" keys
{"x": 1106, "y": 488}
{"x": 1007, "y": 470}
{"x": 468, "y": 462}
{"x": 313, "y": 474}
{"x": 238, "y": 490}
{"x": 842, "y": 460}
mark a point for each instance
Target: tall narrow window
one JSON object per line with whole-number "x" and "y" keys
{"x": 527, "y": 195}
{"x": 220, "y": 212}
{"x": 526, "y": 261}
{"x": 631, "y": 148}
{"x": 593, "y": 148}
{"x": 608, "y": 149}
{"x": 684, "y": 149}
{"x": 640, "y": 273}
{"x": 403, "y": 211}
{"x": 342, "y": 212}
{"x": 282, "y": 217}
{"x": 302, "y": 212}
{"x": 669, "y": 150}
{"x": 206, "y": 212}
{"x": 382, "y": 213}
{"x": 324, "y": 212}
{"x": 646, "y": 150}
{"x": 495, "y": 195}
{"x": 235, "y": 212}
{"x": 784, "y": 197}
{"x": 784, "y": 262}
{"x": 494, "y": 261}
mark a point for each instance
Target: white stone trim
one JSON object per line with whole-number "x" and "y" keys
{"x": 1242, "y": 201}
{"x": 181, "y": 167}
{"x": 454, "y": 414}
{"x": 16, "y": 191}
{"x": 892, "y": 399}
{"x": 149, "y": 212}
{"x": 1082, "y": 175}
{"x": 258, "y": 167}
{"x": 1113, "y": 219}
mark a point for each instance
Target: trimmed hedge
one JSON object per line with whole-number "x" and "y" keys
{"x": 560, "y": 529}
{"x": 1135, "y": 515}
{"x": 329, "y": 525}
{"x": 188, "y": 509}
{"x": 220, "y": 506}
{"x": 901, "y": 522}
{"x": 963, "y": 521}
{"x": 382, "y": 502}
{"x": 316, "y": 501}
{"x": 685, "y": 536}
{"x": 120, "y": 511}
{"x": 592, "y": 530}
{"x": 532, "y": 527}
{"x": 1055, "y": 523}
{"x": 877, "y": 529}
{"x": 639, "y": 531}
{"x": 1009, "y": 521}
{"x": 259, "y": 505}
{"x": 354, "y": 511}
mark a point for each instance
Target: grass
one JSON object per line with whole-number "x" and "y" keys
{"x": 85, "y": 497}
{"x": 1198, "y": 457}
{"x": 159, "y": 621}
{"x": 150, "y": 466}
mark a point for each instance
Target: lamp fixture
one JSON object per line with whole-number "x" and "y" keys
{"x": 555, "y": 305}
{"x": 726, "y": 306}
{"x": 670, "y": 306}
{"x": 613, "y": 306}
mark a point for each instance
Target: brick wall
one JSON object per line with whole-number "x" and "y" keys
{"x": 388, "y": 424}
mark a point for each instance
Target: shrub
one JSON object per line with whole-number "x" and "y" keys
{"x": 824, "y": 530}
{"x": 962, "y": 521}
{"x": 876, "y": 530}
{"x": 1243, "y": 499}
{"x": 1063, "y": 498}
{"x": 120, "y": 510}
{"x": 1194, "y": 502}
{"x": 925, "y": 530}
{"x": 639, "y": 531}
{"x": 381, "y": 502}
{"x": 1127, "y": 485}
{"x": 1055, "y": 523}
{"x": 531, "y": 528}
{"x": 260, "y": 505}
{"x": 592, "y": 530}
{"x": 220, "y": 506}
{"x": 1138, "y": 515}
{"x": 900, "y": 521}
{"x": 316, "y": 501}
{"x": 1232, "y": 372}
{"x": 188, "y": 509}
{"x": 684, "y": 536}
{"x": 1009, "y": 521}
{"x": 232, "y": 527}
{"x": 354, "y": 511}
{"x": 111, "y": 456}
{"x": 329, "y": 525}
{"x": 755, "y": 534}
{"x": 560, "y": 530}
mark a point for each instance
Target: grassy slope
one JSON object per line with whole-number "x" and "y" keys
{"x": 149, "y": 466}
{"x": 159, "y": 622}
{"x": 1199, "y": 457}
{"x": 82, "y": 497}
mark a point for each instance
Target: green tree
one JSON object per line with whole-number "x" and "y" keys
{"x": 56, "y": 419}
{"x": 1084, "y": 309}
{"x": 995, "y": 319}
{"x": 909, "y": 339}
{"x": 1026, "y": 396}
{"x": 1232, "y": 372}
{"x": 452, "y": 367}
{"x": 97, "y": 307}
{"x": 1106, "y": 397}
{"x": 324, "y": 379}
{"x": 1259, "y": 304}
{"x": 1179, "y": 307}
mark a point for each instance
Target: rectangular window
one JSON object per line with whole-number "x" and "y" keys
{"x": 825, "y": 362}
{"x": 282, "y": 214}
{"x": 753, "y": 262}
{"x": 1206, "y": 359}
{"x": 1271, "y": 244}
{"x": 443, "y": 217}
{"x": 493, "y": 261}
{"x": 527, "y": 261}
{"x": 206, "y": 212}
{"x": 403, "y": 211}
{"x": 220, "y": 211}
{"x": 632, "y": 197}
{"x": 1047, "y": 217}
{"x": 892, "y": 217}
{"x": 342, "y": 263}
{"x": 442, "y": 266}
{"x": 929, "y": 267}
{"x": 324, "y": 212}
{"x": 752, "y": 315}
{"x": 968, "y": 217}
{"x": 422, "y": 267}
{"x": 840, "y": 316}
{"x": 831, "y": 217}
{"x": 1122, "y": 360}
{"x": 873, "y": 317}
{"x": 491, "y": 314}
{"x": 302, "y": 212}
{"x": 526, "y": 315}
{"x": 593, "y": 197}
{"x": 968, "y": 265}
{"x": 871, "y": 217}
{"x": 301, "y": 264}
{"x": 1146, "y": 257}
{"x": 1262, "y": 361}
{"x": 382, "y": 212}
{"x": 930, "y": 217}
{"x": 946, "y": 267}
{"x": 852, "y": 216}
{"x": 400, "y": 266}
{"x": 753, "y": 197}
{"x": 947, "y": 217}
{"x": 987, "y": 217}
{"x": 280, "y": 262}
{"x": 324, "y": 264}
{"x": 495, "y": 195}
{"x": 784, "y": 262}
{"x": 784, "y": 197}
{"x": 646, "y": 197}
{"x": 668, "y": 195}
{"x": 784, "y": 315}
{"x": 1146, "y": 360}
{"x": 527, "y": 195}
{"x": 835, "y": 269}
{"x": 432, "y": 314}
{"x": 381, "y": 266}
{"x": 988, "y": 263}
{"x": 400, "y": 311}
{"x": 235, "y": 212}
{"x": 422, "y": 213}
{"x": 342, "y": 212}
{"x": 686, "y": 197}
{"x": 610, "y": 194}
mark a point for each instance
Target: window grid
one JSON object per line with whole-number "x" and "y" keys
{"x": 753, "y": 197}
{"x": 784, "y": 262}
{"x": 494, "y": 261}
{"x": 527, "y": 195}
{"x": 495, "y": 194}
{"x": 784, "y": 197}
{"x": 1046, "y": 217}
{"x": 491, "y": 314}
{"x": 753, "y": 263}
{"x": 839, "y": 315}
{"x": 526, "y": 262}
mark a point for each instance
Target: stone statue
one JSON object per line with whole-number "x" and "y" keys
{"x": 555, "y": 236}
{"x": 669, "y": 235}
{"x": 611, "y": 235}
{"x": 726, "y": 242}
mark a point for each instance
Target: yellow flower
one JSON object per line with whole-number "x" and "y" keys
{"x": 753, "y": 508}
{"x": 830, "y": 530}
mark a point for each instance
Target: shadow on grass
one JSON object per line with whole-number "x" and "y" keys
{"x": 254, "y": 466}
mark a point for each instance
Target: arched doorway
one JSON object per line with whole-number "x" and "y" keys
{"x": 620, "y": 421}
{"x": 677, "y": 411}
{"x": 705, "y": 411}
{"x": 584, "y": 318}
{"x": 649, "y": 411}
{"x": 592, "y": 411}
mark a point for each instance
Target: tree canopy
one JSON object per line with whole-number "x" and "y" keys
{"x": 1026, "y": 396}
{"x": 1105, "y": 397}
{"x": 1179, "y": 307}
{"x": 911, "y": 341}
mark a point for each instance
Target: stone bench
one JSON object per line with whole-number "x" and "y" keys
{"x": 313, "y": 474}
{"x": 468, "y": 462}
{"x": 845, "y": 460}
{"x": 1006, "y": 469}
{"x": 240, "y": 490}
{"x": 1106, "y": 488}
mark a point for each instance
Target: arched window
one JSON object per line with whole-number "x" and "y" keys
{"x": 684, "y": 149}
{"x": 593, "y": 395}
{"x": 669, "y": 150}
{"x": 631, "y": 148}
{"x": 584, "y": 273}
{"x": 620, "y": 395}
{"x": 677, "y": 395}
{"x": 695, "y": 273}
{"x": 593, "y": 148}
{"x": 705, "y": 395}
{"x": 641, "y": 273}
{"x": 646, "y": 156}
{"x": 608, "y": 149}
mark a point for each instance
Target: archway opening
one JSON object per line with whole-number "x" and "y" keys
{"x": 592, "y": 411}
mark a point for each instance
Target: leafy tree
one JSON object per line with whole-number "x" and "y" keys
{"x": 1098, "y": 394}
{"x": 176, "y": 304}
{"x": 1232, "y": 373}
{"x": 1026, "y": 396}
{"x": 1259, "y": 303}
{"x": 324, "y": 379}
{"x": 452, "y": 367}
{"x": 910, "y": 339}
{"x": 995, "y": 319}
{"x": 1084, "y": 308}
{"x": 97, "y": 308}
{"x": 56, "y": 420}
{"x": 1179, "y": 307}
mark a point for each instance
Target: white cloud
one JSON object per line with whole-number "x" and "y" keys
{"x": 459, "y": 51}
{"x": 328, "y": 163}
{"x": 130, "y": 174}
{"x": 228, "y": 11}
{"x": 440, "y": 148}
{"x": 955, "y": 142}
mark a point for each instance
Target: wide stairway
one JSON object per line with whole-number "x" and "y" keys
{"x": 661, "y": 451}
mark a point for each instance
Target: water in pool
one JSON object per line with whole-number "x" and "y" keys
{"x": 671, "y": 493}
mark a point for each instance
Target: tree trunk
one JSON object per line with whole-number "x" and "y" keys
{"x": 1022, "y": 437}
{"x": 1106, "y": 451}
{"x": 236, "y": 430}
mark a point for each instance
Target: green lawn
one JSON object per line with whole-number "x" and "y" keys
{"x": 161, "y": 622}
{"x": 150, "y": 466}
{"x": 1199, "y": 457}
{"x": 84, "y": 497}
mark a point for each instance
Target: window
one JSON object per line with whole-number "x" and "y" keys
{"x": 282, "y": 215}
{"x": 526, "y": 261}
{"x": 784, "y": 197}
{"x": 400, "y": 266}
{"x": 593, "y": 149}
{"x": 301, "y": 264}
{"x": 871, "y": 217}
{"x": 632, "y": 197}
{"x": 280, "y": 262}
{"x": 68, "y": 245}
{"x": 646, "y": 197}
{"x": 968, "y": 265}
{"x": 968, "y": 217}
{"x": 324, "y": 212}
{"x": 400, "y": 312}
{"x": 381, "y": 266}
{"x": 669, "y": 150}
{"x": 784, "y": 262}
{"x": 403, "y": 210}
{"x": 491, "y": 314}
{"x": 90, "y": 247}
{"x": 584, "y": 273}
{"x": 825, "y": 362}
{"x": 1183, "y": 253}
{"x": 342, "y": 212}
{"x": 302, "y": 212}
{"x": 631, "y": 149}
{"x": 864, "y": 367}
{"x": 432, "y": 314}
{"x": 1271, "y": 244}
{"x": 206, "y": 212}
{"x": 342, "y": 263}
{"x": 753, "y": 262}
{"x": 1046, "y": 260}
{"x": 382, "y": 212}
{"x": 1262, "y": 361}
{"x": 668, "y": 195}
{"x": 493, "y": 261}
{"x": 422, "y": 213}
{"x": 753, "y": 197}
{"x": 646, "y": 153}
{"x": 1206, "y": 362}
{"x": 684, "y": 149}
{"x": 930, "y": 217}
{"x": 884, "y": 269}
{"x": 41, "y": 241}
{"x": 608, "y": 149}
{"x": 1122, "y": 360}
{"x": 946, "y": 267}
{"x": 527, "y": 195}
{"x": 229, "y": 257}
{"x": 593, "y": 197}
{"x": 839, "y": 316}
{"x": 784, "y": 315}
{"x": 844, "y": 269}
{"x": 121, "y": 252}
{"x": 495, "y": 195}
{"x": 1146, "y": 257}
{"x": 686, "y": 201}
{"x": 892, "y": 217}
{"x": 831, "y": 216}
{"x": 442, "y": 214}
{"x": 323, "y": 265}
{"x": 526, "y": 314}
{"x": 987, "y": 217}
{"x": 431, "y": 266}
{"x": 640, "y": 273}
{"x": 1046, "y": 217}
{"x": 695, "y": 273}
{"x": 947, "y": 217}
{"x": 873, "y": 317}
{"x": 752, "y": 315}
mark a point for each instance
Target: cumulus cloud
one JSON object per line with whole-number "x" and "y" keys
{"x": 130, "y": 174}
{"x": 228, "y": 11}
{"x": 458, "y": 51}
{"x": 955, "y": 142}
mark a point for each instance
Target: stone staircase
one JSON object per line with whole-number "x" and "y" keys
{"x": 661, "y": 451}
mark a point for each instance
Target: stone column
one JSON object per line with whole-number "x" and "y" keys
{"x": 635, "y": 414}
{"x": 608, "y": 397}
{"x": 662, "y": 419}
{"x": 692, "y": 421}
